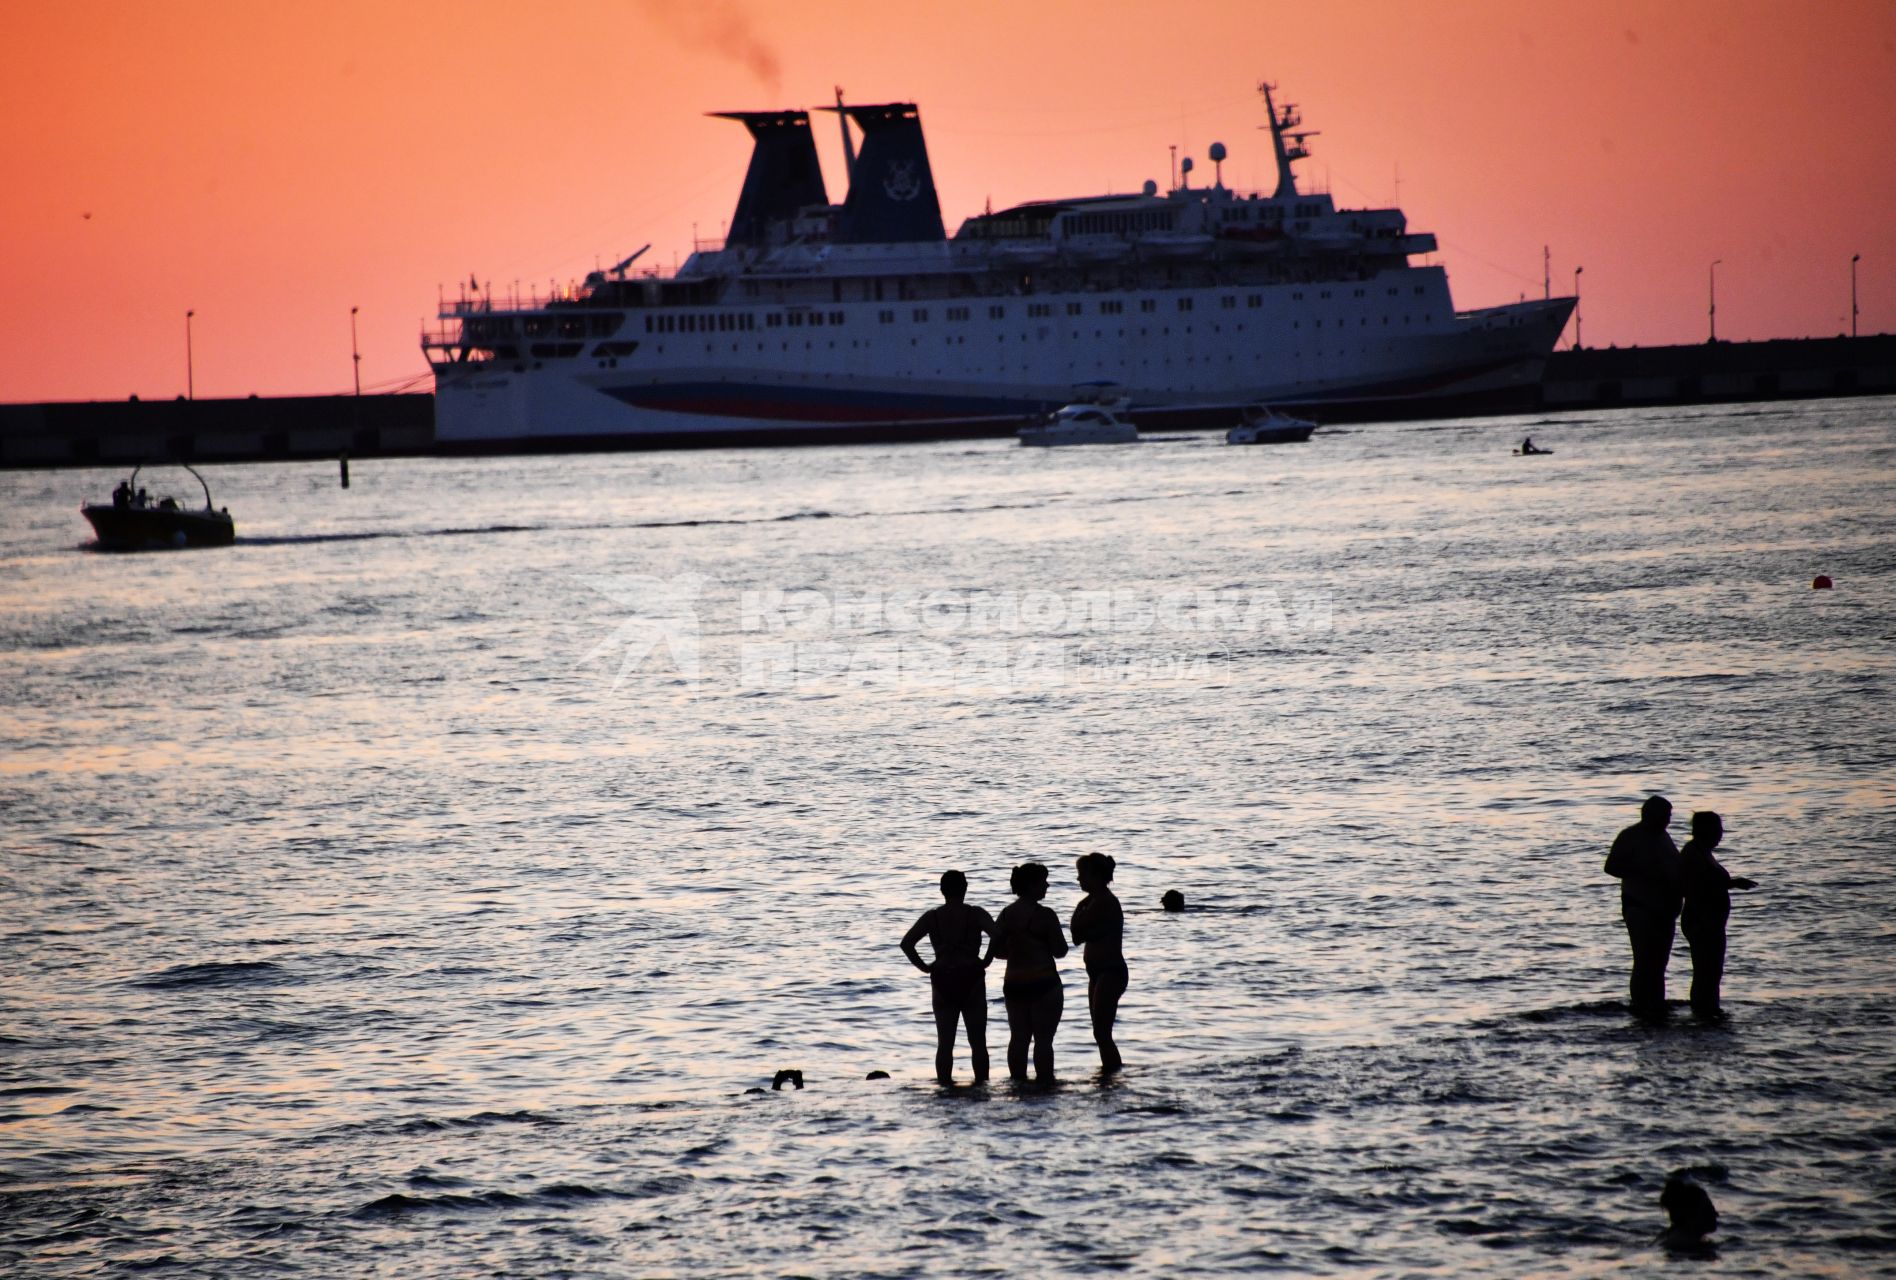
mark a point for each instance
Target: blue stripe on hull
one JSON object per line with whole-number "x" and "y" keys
{"x": 767, "y": 403}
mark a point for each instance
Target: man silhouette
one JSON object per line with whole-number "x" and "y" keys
{"x": 957, "y": 975}
{"x": 1646, "y": 862}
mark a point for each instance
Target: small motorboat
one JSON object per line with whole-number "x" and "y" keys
{"x": 134, "y": 521}
{"x": 1265, "y": 425}
{"x": 1104, "y": 423}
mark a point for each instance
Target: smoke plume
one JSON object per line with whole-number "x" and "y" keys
{"x": 721, "y": 27}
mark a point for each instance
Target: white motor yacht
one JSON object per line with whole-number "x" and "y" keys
{"x": 1265, "y": 425}
{"x": 1083, "y": 424}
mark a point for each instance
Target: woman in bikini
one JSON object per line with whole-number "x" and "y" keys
{"x": 1100, "y": 924}
{"x": 1027, "y": 935}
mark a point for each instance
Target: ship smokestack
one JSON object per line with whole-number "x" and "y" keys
{"x": 892, "y": 193}
{"x": 783, "y": 177}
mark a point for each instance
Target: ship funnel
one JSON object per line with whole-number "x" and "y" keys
{"x": 784, "y": 176}
{"x": 892, "y": 196}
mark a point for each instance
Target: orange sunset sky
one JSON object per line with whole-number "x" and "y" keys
{"x": 269, "y": 166}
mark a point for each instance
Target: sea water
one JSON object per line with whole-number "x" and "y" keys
{"x": 426, "y": 884}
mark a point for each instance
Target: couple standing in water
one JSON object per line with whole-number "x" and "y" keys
{"x": 1027, "y": 936}
{"x": 1661, "y": 884}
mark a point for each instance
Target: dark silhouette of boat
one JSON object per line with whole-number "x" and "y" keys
{"x": 133, "y": 521}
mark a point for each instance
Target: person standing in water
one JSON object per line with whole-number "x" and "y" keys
{"x": 1028, "y": 937}
{"x": 957, "y": 976}
{"x": 1646, "y": 863}
{"x": 1708, "y": 889}
{"x": 1100, "y": 924}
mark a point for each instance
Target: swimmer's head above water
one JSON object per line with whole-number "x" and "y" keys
{"x": 1688, "y": 1208}
{"x": 1173, "y": 900}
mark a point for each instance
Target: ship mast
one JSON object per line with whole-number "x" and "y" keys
{"x": 849, "y": 148}
{"x": 1284, "y": 125}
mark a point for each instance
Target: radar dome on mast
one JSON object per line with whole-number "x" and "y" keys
{"x": 1217, "y": 154}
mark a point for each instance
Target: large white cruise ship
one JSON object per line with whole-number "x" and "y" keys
{"x": 818, "y": 321}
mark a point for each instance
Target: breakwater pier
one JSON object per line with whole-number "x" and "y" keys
{"x": 109, "y": 433}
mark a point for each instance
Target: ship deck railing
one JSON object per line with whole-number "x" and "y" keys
{"x": 488, "y": 302}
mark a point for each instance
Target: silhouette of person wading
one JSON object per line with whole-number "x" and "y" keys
{"x": 1100, "y": 923}
{"x": 1028, "y": 937}
{"x": 1708, "y": 889}
{"x": 1646, "y": 863}
{"x": 958, "y": 974}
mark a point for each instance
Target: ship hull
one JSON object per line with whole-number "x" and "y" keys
{"x": 1387, "y": 347}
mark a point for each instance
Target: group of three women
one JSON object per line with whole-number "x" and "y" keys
{"x": 1028, "y": 937}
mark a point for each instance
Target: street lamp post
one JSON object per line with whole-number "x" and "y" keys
{"x": 1853, "y": 305}
{"x": 1576, "y": 307}
{"x": 355, "y": 352}
{"x": 1712, "y": 314}
{"x": 190, "y": 380}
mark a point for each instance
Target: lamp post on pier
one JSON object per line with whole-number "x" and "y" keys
{"x": 1712, "y": 313}
{"x": 1853, "y": 305}
{"x": 190, "y": 379}
{"x": 355, "y": 352}
{"x": 1576, "y": 307}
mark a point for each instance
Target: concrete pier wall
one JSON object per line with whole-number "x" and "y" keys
{"x": 123, "y": 432}
{"x": 114, "y": 433}
{"x": 1782, "y": 369}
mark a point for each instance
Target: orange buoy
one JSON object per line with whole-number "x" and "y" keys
{"x": 1821, "y": 582}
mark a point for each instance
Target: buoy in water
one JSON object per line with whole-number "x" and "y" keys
{"x": 1821, "y": 582}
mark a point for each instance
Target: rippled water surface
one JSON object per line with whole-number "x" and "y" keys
{"x": 417, "y": 887}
